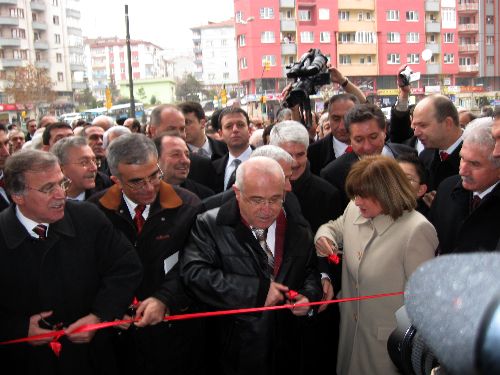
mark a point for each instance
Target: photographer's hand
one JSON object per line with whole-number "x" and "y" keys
{"x": 404, "y": 91}
{"x": 295, "y": 109}
{"x": 337, "y": 77}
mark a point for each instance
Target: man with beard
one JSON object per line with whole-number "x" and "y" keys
{"x": 78, "y": 163}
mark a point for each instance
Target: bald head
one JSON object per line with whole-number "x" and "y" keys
{"x": 167, "y": 117}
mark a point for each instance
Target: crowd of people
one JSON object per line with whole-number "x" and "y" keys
{"x": 102, "y": 222}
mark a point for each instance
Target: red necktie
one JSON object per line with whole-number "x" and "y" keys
{"x": 443, "y": 155}
{"x": 41, "y": 230}
{"x": 138, "y": 218}
{"x": 348, "y": 150}
{"x": 476, "y": 200}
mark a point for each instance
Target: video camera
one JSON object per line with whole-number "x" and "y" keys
{"x": 309, "y": 73}
{"x": 451, "y": 317}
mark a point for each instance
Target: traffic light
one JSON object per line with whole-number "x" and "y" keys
{"x": 109, "y": 101}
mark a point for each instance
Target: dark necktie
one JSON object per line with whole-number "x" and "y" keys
{"x": 232, "y": 178}
{"x": 138, "y": 218}
{"x": 348, "y": 150}
{"x": 2, "y": 183}
{"x": 261, "y": 235}
{"x": 41, "y": 230}
{"x": 443, "y": 155}
{"x": 476, "y": 200}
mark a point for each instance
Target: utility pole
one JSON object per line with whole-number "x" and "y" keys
{"x": 130, "y": 79}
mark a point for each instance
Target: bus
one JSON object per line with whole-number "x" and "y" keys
{"x": 90, "y": 114}
{"x": 121, "y": 111}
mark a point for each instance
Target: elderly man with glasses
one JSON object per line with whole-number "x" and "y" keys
{"x": 156, "y": 218}
{"x": 250, "y": 252}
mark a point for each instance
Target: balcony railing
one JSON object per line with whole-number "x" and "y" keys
{"x": 39, "y": 25}
{"x": 288, "y": 49}
{"x": 10, "y": 63}
{"x": 287, "y": 3}
{"x": 9, "y": 21}
{"x": 471, "y": 27}
{"x": 10, "y": 42}
{"x": 9, "y": 2}
{"x": 467, "y": 7}
{"x": 468, "y": 68}
{"x": 35, "y": 5}
{"x": 468, "y": 48}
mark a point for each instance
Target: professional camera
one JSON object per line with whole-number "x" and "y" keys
{"x": 453, "y": 317}
{"x": 310, "y": 73}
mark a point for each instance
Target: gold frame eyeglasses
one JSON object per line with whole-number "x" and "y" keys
{"x": 141, "y": 183}
{"x": 64, "y": 184}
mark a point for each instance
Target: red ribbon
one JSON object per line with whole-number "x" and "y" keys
{"x": 334, "y": 258}
{"x": 55, "y": 335}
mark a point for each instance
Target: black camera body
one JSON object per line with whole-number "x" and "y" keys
{"x": 310, "y": 73}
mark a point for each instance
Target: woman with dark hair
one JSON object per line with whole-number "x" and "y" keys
{"x": 383, "y": 239}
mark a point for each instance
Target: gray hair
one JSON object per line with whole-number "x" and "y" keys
{"x": 101, "y": 118}
{"x": 130, "y": 149}
{"x": 115, "y": 130}
{"x": 62, "y": 147}
{"x": 263, "y": 165}
{"x": 479, "y": 131}
{"x": 25, "y": 161}
{"x": 289, "y": 131}
{"x": 283, "y": 114}
{"x": 155, "y": 118}
{"x": 273, "y": 152}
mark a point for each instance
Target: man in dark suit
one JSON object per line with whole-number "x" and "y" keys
{"x": 53, "y": 133}
{"x": 78, "y": 163}
{"x": 174, "y": 162}
{"x": 30, "y": 129}
{"x": 466, "y": 210}
{"x": 196, "y": 138}
{"x": 435, "y": 123}
{"x": 4, "y": 154}
{"x": 234, "y": 123}
{"x": 156, "y": 217}
{"x": 62, "y": 266}
{"x": 167, "y": 117}
{"x": 366, "y": 126}
{"x": 249, "y": 253}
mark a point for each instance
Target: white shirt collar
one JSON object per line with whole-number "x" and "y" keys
{"x": 80, "y": 197}
{"x": 452, "y": 148}
{"x": 487, "y": 191}
{"x": 338, "y": 147}
{"x": 28, "y": 223}
{"x": 205, "y": 146}
{"x": 271, "y": 237}
{"x": 132, "y": 205}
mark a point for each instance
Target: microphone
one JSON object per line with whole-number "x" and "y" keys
{"x": 453, "y": 301}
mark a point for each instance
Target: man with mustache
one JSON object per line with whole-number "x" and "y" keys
{"x": 78, "y": 163}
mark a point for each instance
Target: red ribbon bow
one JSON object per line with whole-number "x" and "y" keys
{"x": 292, "y": 294}
{"x": 334, "y": 259}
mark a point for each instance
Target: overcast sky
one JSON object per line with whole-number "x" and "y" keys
{"x": 166, "y": 23}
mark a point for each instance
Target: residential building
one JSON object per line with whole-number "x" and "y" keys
{"x": 108, "y": 62}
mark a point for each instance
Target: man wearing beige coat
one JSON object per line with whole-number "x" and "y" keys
{"x": 384, "y": 240}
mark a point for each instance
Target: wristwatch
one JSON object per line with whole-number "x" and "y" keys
{"x": 345, "y": 83}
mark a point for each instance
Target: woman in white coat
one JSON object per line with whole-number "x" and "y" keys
{"x": 383, "y": 240}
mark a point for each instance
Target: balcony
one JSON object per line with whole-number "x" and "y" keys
{"x": 76, "y": 50}
{"x": 468, "y": 28}
{"x": 35, "y": 5}
{"x": 74, "y": 31}
{"x": 10, "y": 42}
{"x": 8, "y": 2}
{"x": 474, "y": 68}
{"x": 76, "y": 67}
{"x": 73, "y": 13}
{"x": 354, "y": 25}
{"x": 432, "y": 27}
{"x": 78, "y": 85}
{"x": 9, "y": 21}
{"x": 39, "y": 44}
{"x": 434, "y": 47}
{"x": 39, "y": 25}
{"x": 357, "y": 49}
{"x": 288, "y": 25}
{"x": 10, "y": 63}
{"x": 357, "y": 5}
{"x": 196, "y": 36}
{"x": 468, "y": 8}
{"x": 288, "y": 49}
{"x": 464, "y": 48}
{"x": 432, "y": 6}
{"x": 431, "y": 68}
{"x": 287, "y": 3}
{"x": 359, "y": 69}
{"x": 42, "y": 64}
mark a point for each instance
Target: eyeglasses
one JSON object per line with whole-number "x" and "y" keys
{"x": 86, "y": 163}
{"x": 259, "y": 202}
{"x": 139, "y": 184}
{"x": 51, "y": 188}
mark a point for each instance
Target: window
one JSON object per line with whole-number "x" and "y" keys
{"x": 412, "y": 15}
{"x": 490, "y": 40}
{"x": 413, "y": 58}
{"x": 60, "y": 76}
{"x": 266, "y": 13}
{"x": 448, "y": 15}
{"x": 17, "y": 12}
{"x": 306, "y": 37}
{"x": 18, "y": 33}
{"x": 304, "y": 15}
{"x": 324, "y": 37}
{"x": 392, "y": 15}
{"x": 324, "y": 14}
{"x": 225, "y": 75}
{"x": 223, "y": 43}
{"x": 365, "y": 59}
{"x": 55, "y": 2}
{"x": 448, "y": 58}
{"x": 34, "y": 17}
{"x": 38, "y": 56}
{"x": 368, "y": 16}
{"x": 36, "y": 35}
{"x": 59, "y": 57}
{"x": 238, "y": 17}
{"x": 55, "y": 20}
{"x": 393, "y": 37}
{"x": 490, "y": 60}
{"x": 241, "y": 40}
{"x": 490, "y": 20}
{"x": 393, "y": 58}
{"x": 343, "y": 15}
{"x": 365, "y": 37}
{"x": 267, "y": 37}
{"x": 19, "y": 54}
{"x": 347, "y": 38}
{"x": 57, "y": 38}
{"x": 412, "y": 37}
{"x": 344, "y": 59}
{"x": 449, "y": 37}
{"x": 431, "y": 38}
{"x": 464, "y": 61}
{"x": 286, "y": 15}
{"x": 269, "y": 58}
